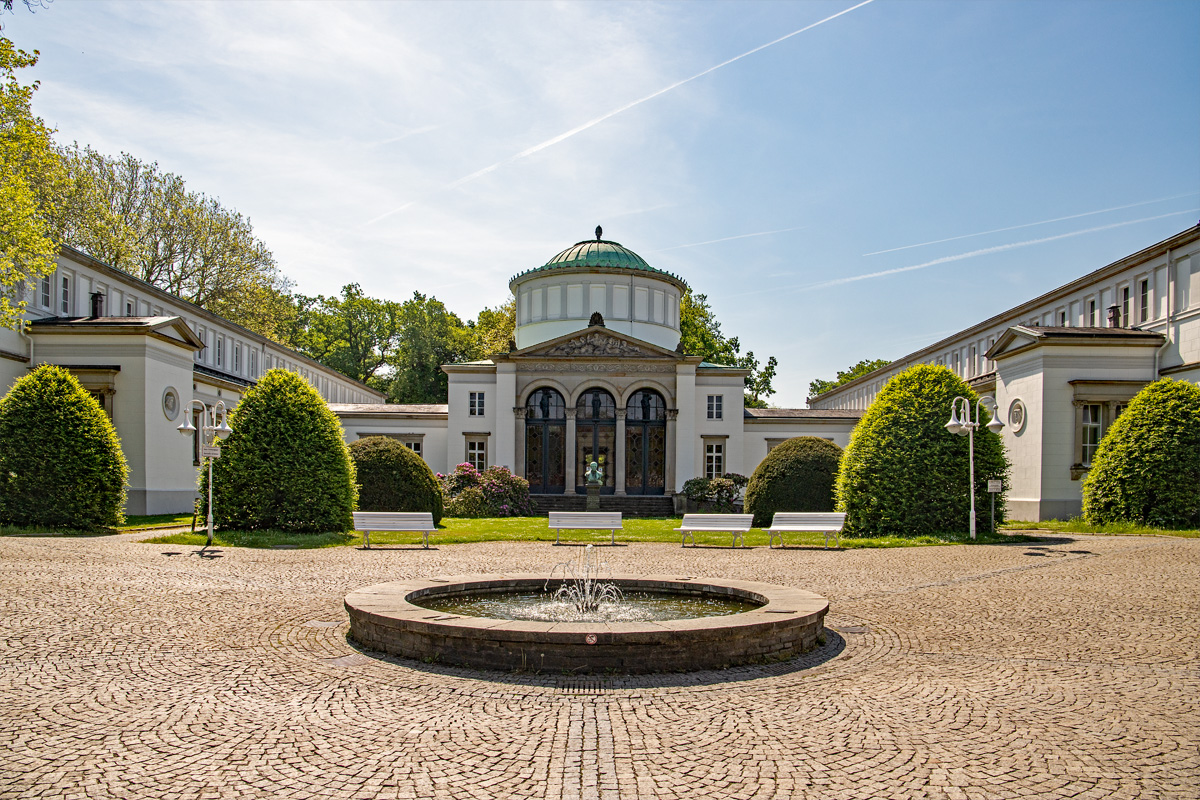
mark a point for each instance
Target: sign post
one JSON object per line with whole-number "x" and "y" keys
{"x": 994, "y": 488}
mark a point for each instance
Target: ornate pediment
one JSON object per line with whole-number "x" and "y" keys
{"x": 596, "y": 344}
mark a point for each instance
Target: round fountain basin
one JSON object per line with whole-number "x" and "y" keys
{"x": 783, "y": 622}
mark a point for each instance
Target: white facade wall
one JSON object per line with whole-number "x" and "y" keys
{"x": 562, "y": 301}
{"x": 429, "y": 428}
{"x": 726, "y": 431}
{"x": 463, "y": 427}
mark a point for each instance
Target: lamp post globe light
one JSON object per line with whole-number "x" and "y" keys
{"x": 210, "y": 430}
{"x": 965, "y": 426}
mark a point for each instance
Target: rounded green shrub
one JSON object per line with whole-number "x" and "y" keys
{"x": 797, "y": 475}
{"x": 61, "y": 464}
{"x": 903, "y": 473}
{"x": 391, "y": 477}
{"x": 285, "y": 466}
{"x": 1147, "y": 468}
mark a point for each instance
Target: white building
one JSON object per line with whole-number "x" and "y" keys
{"x": 1062, "y": 366}
{"x": 144, "y": 354}
{"x": 594, "y": 373}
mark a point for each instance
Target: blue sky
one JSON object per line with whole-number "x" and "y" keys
{"x": 444, "y": 147}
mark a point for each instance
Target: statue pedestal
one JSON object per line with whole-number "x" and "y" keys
{"x": 593, "y": 498}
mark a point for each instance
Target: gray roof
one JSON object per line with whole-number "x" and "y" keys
{"x": 802, "y": 413}
{"x": 389, "y": 408}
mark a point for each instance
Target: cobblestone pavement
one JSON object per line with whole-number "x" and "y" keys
{"x": 1069, "y": 668}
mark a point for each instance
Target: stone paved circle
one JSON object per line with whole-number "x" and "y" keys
{"x": 1064, "y": 669}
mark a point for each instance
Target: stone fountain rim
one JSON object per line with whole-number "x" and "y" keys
{"x": 391, "y": 601}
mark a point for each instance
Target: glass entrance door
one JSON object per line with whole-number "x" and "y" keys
{"x": 596, "y": 439}
{"x": 646, "y": 443}
{"x": 545, "y": 442}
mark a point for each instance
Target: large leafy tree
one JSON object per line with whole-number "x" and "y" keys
{"x": 495, "y": 327}
{"x": 354, "y": 334}
{"x": 144, "y": 221}
{"x": 430, "y": 335}
{"x": 700, "y": 335}
{"x": 864, "y": 367}
{"x": 31, "y": 180}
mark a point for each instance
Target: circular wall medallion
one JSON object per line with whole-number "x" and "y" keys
{"x": 170, "y": 403}
{"x": 1017, "y": 415}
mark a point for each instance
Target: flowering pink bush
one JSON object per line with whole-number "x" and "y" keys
{"x": 495, "y": 492}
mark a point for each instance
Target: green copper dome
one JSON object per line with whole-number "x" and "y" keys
{"x": 602, "y": 254}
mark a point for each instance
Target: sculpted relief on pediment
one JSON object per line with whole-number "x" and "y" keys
{"x": 598, "y": 345}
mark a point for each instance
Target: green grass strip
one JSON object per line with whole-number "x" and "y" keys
{"x": 534, "y": 529}
{"x": 1077, "y": 525}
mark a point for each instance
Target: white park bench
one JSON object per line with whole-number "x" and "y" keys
{"x": 826, "y": 522}
{"x": 736, "y": 524}
{"x": 585, "y": 521}
{"x": 367, "y": 521}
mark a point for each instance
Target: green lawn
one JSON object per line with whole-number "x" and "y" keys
{"x": 133, "y": 523}
{"x": 534, "y": 529}
{"x": 1077, "y": 525}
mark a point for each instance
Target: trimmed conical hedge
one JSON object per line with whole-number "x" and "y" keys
{"x": 61, "y": 464}
{"x": 391, "y": 477}
{"x": 1147, "y": 468}
{"x": 903, "y": 473}
{"x": 797, "y": 475}
{"x": 285, "y": 466}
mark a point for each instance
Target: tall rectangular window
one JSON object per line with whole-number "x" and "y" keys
{"x": 1062, "y": 319}
{"x": 237, "y": 359}
{"x": 129, "y": 308}
{"x": 1144, "y": 301}
{"x": 476, "y": 404}
{"x": 714, "y": 459}
{"x": 1091, "y": 432}
{"x": 477, "y": 453}
{"x": 972, "y": 364}
{"x": 1091, "y": 313}
{"x": 45, "y": 298}
{"x": 253, "y": 363}
{"x": 715, "y": 403}
{"x": 1125, "y": 320}
{"x": 220, "y": 350}
{"x": 65, "y": 297}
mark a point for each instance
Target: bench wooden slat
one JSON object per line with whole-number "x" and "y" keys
{"x": 559, "y": 521}
{"x": 367, "y": 521}
{"x": 827, "y": 522}
{"x": 735, "y": 524}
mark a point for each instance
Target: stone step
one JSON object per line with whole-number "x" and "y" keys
{"x": 629, "y": 506}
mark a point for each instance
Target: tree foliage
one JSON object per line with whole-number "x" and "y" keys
{"x": 353, "y": 334}
{"x": 903, "y": 473}
{"x": 430, "y": 335}
{"x": 495, "y": 328}
{"x": 1147, "y": 468}
{"x": 797, "y": 475}
{"x": 61, "y": 464}
{"x": 285, "y": 466}
{"x": 31, "y": 181}
{"x": 139, "y": 219}
{"x": 391, "y": 477}
{"x": 700, "y": 335}
{"x": 864, "y": 367}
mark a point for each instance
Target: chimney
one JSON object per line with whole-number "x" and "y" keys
{"x": 1114, "y": 316}
{"x": 97, "y": 304}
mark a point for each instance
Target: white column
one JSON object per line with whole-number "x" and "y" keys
{"x": 620, "y": 456}
{"x": 570, "y": 451}
{"x": 519, "y": 437}
{"x": 506, "y": 395}
{"x": 685, "y": 427}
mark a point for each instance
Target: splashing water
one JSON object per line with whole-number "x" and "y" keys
{"x": 584, "y": 590}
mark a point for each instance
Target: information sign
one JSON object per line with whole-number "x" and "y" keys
{"x": 995, "y": 487}
{"x": 210, "y": 451}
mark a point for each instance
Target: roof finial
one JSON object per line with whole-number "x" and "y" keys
{"x": 599, "y": 232}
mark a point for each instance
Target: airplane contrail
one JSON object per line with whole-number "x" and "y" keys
{"x": 1032, "y": 224}
{"x": 961, "y": 256}
{"x": 727, "y": 239}
{"x": 537, "y": 148}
